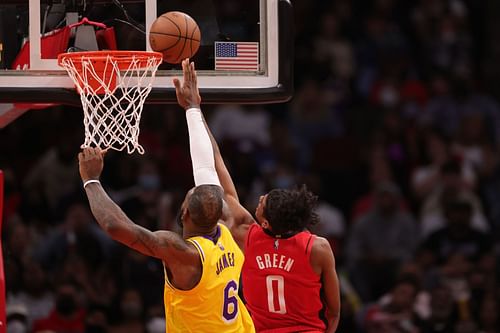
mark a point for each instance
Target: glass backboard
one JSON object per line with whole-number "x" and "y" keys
{"x": 30, "y": 74}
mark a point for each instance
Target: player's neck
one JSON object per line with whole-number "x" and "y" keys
{"x": 197, "y": 231}
{"x": 283, "y": 235}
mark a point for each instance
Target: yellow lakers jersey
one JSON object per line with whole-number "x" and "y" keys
{"x": 213, "y": 305}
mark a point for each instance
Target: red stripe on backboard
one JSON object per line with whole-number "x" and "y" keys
{"x": 236, "y": 68}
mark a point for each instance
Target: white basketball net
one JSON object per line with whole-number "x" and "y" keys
{"x": 113, "y": 99}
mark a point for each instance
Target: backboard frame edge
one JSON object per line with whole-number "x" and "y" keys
{"x": 280, "y": 93}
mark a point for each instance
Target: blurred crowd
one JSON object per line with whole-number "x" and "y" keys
{"x": 390, "y": 125}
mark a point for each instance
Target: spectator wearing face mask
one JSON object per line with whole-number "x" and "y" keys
{"x": 457, "y": 237}
{"x": 141, "y": 202}
{"x": 67, "y": 315}
{"x": 17, "y": 318}
{"x": 443, "y": 316}
{"x": 396, "y": 314}
{"x": 379, "y": 243}
{"x": 35, "y": 295}
{"x": 155, "y": 319}
{"x": 132, "y": 313}
{"x": 156, "y": 325}
{"x": 96, "y": 320}
{"x": 451, "y": 185}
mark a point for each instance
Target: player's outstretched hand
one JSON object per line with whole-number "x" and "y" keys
{"x": 91, "y": 163}
{"x": 187, "y": 93}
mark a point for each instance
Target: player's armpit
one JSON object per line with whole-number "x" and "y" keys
{"x": 165, "y": 245}
{"x": 181, "y": 259}
{"x": 322, "y": 256}
{"x": 223, "y": 173}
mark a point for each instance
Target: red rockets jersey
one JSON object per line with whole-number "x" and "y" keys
{"x": 279, "y": 285}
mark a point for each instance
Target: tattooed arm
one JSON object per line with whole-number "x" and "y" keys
{"x": 177, "y": 254}
{"x": 159, "y": 244}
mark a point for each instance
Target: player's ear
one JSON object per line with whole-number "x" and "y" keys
{"x": 185, "y": 215}
{"x": 265, "y": 224}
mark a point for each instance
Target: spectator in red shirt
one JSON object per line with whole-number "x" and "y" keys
{"x": 67, "y": 316}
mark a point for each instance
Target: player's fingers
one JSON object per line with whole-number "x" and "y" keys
{"x": 193, "y": 73}
{"x": 86, "y": 153}
{"x": 90, "y": 153}
{"x": 97, "y": 152}
{"x": 188, "y": 69}
{"x": 185, "y": 70}
{"x": 80, "y": 156}
{"x": 177, "y": 83}
{"x": 195, "y": 76}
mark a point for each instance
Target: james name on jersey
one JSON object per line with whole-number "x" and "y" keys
{"x": 225, "y": 260}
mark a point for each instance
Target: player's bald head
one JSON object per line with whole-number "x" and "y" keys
{"x": 204, "y": 204}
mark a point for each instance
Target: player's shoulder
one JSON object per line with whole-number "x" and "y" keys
{"x": 320, "y": 246}
{"x": 223, "y": 227}
{"x": 321, "y": 254}
{"x": 253, "y": 233}
{"x": 225, "y": 232}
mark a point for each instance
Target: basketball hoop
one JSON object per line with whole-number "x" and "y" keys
{"x": 113, "y": 86}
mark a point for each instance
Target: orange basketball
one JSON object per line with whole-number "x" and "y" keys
{"x": 176, "y": 35}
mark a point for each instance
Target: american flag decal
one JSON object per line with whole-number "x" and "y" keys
{"x": 237, "y": 56}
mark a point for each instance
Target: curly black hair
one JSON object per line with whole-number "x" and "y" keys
{"x": 291, "y": 211}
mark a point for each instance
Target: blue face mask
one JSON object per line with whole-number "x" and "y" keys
{"x": 284, "y": 182}
{"x": 149, "y": 181}
{"x": 156, "y": 325}
{"x": 16, "y": 326}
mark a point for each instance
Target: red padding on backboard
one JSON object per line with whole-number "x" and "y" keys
{"x": 57, "y": 41}
{"x": 106, "y": 39}
{"x": 3, "y": 306}
{"x": 51, "y": 45}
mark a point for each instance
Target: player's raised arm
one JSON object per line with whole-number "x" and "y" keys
{"x": 242, "y": 217}
{"x": 164, "y": 245}
{"x": 208, "y": 165}
{"x": 202, "y": 155}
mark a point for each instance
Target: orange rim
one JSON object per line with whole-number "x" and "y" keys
{"x": 100, "y": 63}
{"x": 122, "y": 58}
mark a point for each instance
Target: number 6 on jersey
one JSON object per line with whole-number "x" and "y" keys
{"x": 230, "y": 305}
